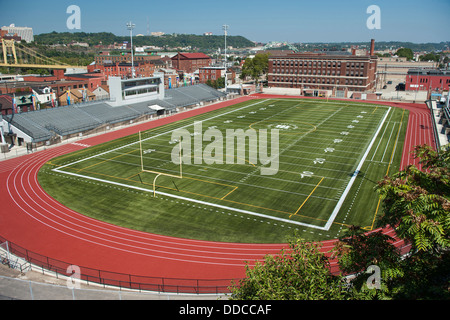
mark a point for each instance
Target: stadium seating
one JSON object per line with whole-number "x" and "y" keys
{"x": 43, "y": 124}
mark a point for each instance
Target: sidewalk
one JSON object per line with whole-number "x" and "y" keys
{"x": 34, "y": 285}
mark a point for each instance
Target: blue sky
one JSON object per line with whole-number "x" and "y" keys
{"x": 258, "y": 20}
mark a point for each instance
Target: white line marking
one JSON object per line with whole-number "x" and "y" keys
{"x": 355, "y": 174}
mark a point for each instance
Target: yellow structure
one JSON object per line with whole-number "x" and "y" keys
{"x": 23, "y": 57}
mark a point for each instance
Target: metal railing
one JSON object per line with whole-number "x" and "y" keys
{"x": 121, "y": 280}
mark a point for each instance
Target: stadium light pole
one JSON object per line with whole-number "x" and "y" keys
{"x": 131, "y": 26}
{"x": 225, "y": 29}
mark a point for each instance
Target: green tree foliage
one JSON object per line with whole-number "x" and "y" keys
{"x": 357, "y": 252}
{"x": 405, "y": 52}
{"x": 300, "y": 273}
{"x": 417, "y": 202}
{"x": 173, "y": 41}
{"x": 216, "y": 84}
{"x": 255, "y": 67}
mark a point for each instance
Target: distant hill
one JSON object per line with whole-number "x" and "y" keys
{"x": 201, "y": 42}
{"x": 379, "y": 45}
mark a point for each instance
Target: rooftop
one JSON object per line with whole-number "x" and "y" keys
{"x": 429, "y": 72}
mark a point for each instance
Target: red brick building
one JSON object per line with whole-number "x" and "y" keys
{"x": 190, "y": 62}
{"x": 323, "y": 71}
{"x": 124, "y": 69}
{"x": 107, "y": 58}
{"x": 211, "y": 73}
{"x": 214, "y": 73}
{"x": 427, "y": 79}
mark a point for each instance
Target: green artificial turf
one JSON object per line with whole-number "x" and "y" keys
{"x": 323, "y": 141}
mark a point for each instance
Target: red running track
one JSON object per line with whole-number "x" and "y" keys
{"x": 33, "y": 220}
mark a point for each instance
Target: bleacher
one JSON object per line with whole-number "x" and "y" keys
{"x": 44, "y": 124}
{"x": 445, "y": 120}
{"x": 440, "y": 114}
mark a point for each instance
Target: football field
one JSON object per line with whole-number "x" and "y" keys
{"x": 326, "y": 161}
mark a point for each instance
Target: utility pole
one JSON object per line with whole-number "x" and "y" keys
{"x": 131, "y": 26}
{"x": 225, "y": 29}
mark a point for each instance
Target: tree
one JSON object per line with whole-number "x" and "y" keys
{"x": 216, "y": 84}
{"x": 405, "y": 52}
{"x": 416, "y": 203}
{"x": 255, "y": 67}
{"x": 300, "y": 273}
{"x": 430, "y": 57}
{"x": 359, "y": 252}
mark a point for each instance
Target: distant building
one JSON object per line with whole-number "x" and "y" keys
{"x": 124, "y": 69}
{"x": 45, "y": 96}
{"x": 107, "y": 58}
{"x": 24, "y": 33}
{"x": 190, "y": 62}
{"x": 326, "y": 70}
{"x": 101, "y": 93}
{"x": 426, "y": 79}
{"x": 214, "y": 73}
{"x": 211, "y": 73}
{"x": 171, "y": 78}
{"x": 74, "y": 96}
{"x": 395, "y": 69}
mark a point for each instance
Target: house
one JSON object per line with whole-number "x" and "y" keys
{"x": 6, "y": 104}
{"x": 44, "y": 96}
{"x": 190, "y": 62}
{"x": 171, "y": 79}
{"x": 75, "y": 96}
{"x": 101, "y": 93}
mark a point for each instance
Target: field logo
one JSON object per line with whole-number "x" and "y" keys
{"x": 221, "y": 149}
{"x": 74, "y": 21}
{"x": 374, "y": 21}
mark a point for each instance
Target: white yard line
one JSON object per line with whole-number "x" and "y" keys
{"x": 353, "y": 178}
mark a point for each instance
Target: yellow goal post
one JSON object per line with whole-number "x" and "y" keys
{"x": 158, "y": 173}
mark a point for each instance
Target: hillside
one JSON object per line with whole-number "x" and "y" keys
{"x": 166, "y": 41}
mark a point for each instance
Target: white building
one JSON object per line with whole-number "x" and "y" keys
{"x": 129, "y": 91}
{"x": 44, "y": 95}
{"x": 24, "y": 32}
{"x": 101, "y": 93}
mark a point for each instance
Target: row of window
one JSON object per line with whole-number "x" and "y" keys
{"x": 425, "y": 80}
{"x": 140, "y": 91}
{"x": 312, "y": 63}
{"x": 319, "y": 72}
{"x": 315, "y": 80}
